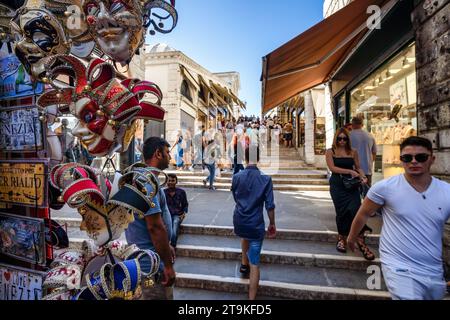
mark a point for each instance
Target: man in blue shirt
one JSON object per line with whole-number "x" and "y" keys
{"x": 178, "y": 206}
{"x": 154, "y": 231}
{"x": 251, "y": 190}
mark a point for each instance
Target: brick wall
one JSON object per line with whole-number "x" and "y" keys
{"x": 431, "y": 21}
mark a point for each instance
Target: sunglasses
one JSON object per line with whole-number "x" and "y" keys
{"x": 421, "y": 157}
{"x": 342, "y": 139}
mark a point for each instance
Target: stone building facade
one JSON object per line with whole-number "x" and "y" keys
{"x": 193, "y": 96}
{"x": 431, "y": 21}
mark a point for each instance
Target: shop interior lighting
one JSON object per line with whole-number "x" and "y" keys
{"x": 395, "y": 71}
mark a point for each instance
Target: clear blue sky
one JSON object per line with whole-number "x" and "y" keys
{"x": 233, "y": 35}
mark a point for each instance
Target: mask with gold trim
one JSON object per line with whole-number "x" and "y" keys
{"x": 116, "y": 26}
{"x": 40, "y": 32}
{"x": 107, "y": 109}
{"x": 89, "y": 191}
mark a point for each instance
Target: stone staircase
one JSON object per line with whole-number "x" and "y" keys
{"x": 288, "y": 172}
{"x": 298, "y": 264}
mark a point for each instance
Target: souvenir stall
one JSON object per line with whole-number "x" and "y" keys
{"x": 58, "y": 63}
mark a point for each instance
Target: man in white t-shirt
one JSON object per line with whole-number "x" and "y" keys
{"x": 415, "y": 209}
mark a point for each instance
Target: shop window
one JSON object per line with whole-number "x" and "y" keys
{"x": 320, "y": 136}
{"x": 185, "y": 90}
{"x": 340, "y": 111}
{"x": 386, "y": 101}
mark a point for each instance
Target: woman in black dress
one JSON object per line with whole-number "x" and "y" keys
{"x": 343, "y": 162}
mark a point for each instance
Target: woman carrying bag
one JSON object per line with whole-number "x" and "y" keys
{"x": 345, "y": 183}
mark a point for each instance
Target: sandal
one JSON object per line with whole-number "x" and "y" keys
{"x": 368, "y": 255}
{"x": 341, "y": 244}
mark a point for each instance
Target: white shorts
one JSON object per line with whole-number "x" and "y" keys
{"x": 404, "y": 285}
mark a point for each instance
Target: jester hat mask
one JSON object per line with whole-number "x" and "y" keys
{"x": 86, "y": 190}
{"x": 107, "y": 109}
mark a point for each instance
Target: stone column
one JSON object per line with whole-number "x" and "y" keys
{"x": 432, "y": 28}
{"x": 329, "y": 118}
{"x": 309, "y": 129}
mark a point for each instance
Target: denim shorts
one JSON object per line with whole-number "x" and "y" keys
{"x": 254, "y": 251}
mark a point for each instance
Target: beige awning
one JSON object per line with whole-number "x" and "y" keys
{"x": 189, "y": 77}
{"x": 309, "y": 59}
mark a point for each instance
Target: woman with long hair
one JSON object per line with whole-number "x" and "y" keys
{"x": 343, "y": 162}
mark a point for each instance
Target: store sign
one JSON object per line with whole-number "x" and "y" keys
{"x": 22, "y": 238}
{"x": 20, "y": 284}
{"x": 23, "y": 183}
{"x": 15, "y": 81}
{"x": 20, "y": 130}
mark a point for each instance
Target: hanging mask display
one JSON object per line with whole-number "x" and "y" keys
{"x": 39, "y": 31}
{"x": 89, "y": 273}
{"x": 107, "y": 109}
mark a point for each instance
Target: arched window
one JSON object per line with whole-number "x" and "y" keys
{"x": 185, "y": 91}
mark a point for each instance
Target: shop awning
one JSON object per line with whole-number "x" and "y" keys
{"x": 307, "y": 60}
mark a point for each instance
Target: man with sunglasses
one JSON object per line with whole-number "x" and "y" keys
{"x": 415, "y": 209}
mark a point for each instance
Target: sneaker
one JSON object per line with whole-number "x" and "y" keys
{"x": 204, "y": 183}
{"x": 244, "y": 270}
{"x": 212, "y": 188}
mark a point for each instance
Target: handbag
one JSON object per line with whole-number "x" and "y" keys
{"x": 351, "y": 183}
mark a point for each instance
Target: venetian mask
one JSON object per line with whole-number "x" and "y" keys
{"x": 88, "y": 191}
{"x": 117, "y": 26}
{"x": 107, "y": 109}
{"x": 38, "y": 34}
{"x": 39, "y": 31}
{"x": 104, "y": 224}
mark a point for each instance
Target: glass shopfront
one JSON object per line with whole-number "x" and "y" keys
{"x": 386, "y": 100}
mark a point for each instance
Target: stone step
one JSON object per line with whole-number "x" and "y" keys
{"x": 279, "y": 258}
{"x": 282, "y": 234}
{"x": 310, "y": 237}
{"x": 289, "y": 169}
{"x": 268, "y": 256}
{"x": 274, "y": 251}
{"x": 287, "y": 187}
{"x": 276, "y": 181}
{"x": 180, "y": 293}
{"x": 272, "y": 289}
{"x": 284, "y": 281}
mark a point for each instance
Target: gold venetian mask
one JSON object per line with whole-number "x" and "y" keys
{"x": 116, "y": 26}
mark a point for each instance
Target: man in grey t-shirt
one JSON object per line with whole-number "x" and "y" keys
{"x": 365, "y": 144}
